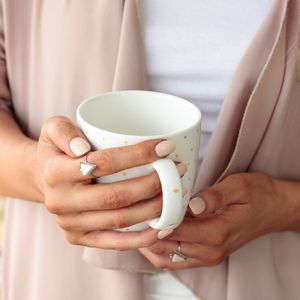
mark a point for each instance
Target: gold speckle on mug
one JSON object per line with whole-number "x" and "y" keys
{"x": 192, "y": 149}
{"x": 124, "y": 173}
{"x": 175, "y": 190}
{"x": 125, "y": 142}
{"x": 103, "y": 139}
{"x": 197, "y": 130}
{"x": 185, "y": 137}
{"x": 176, "y": 155}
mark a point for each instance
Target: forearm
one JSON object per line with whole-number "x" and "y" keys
{"x": 17, "y": 161}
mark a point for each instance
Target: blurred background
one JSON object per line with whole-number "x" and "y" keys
{"x": 2, "y": 201}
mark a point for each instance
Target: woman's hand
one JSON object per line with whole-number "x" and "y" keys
{"x": 228, "y": 215}
{"x": 88, "y": 212}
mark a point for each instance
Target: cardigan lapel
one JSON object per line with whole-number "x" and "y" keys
{"x": 130, "y": 71}
{"x": 249, "y": 103}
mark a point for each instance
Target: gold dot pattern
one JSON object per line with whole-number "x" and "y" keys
{"x": 175, "y": 190}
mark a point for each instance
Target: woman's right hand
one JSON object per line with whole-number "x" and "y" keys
{"x": 87, "y": 212}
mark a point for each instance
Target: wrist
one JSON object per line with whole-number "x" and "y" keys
{"x": 34, "y": 170}
{"x": 289, "y": 202}
{"x": 28, "y": 154}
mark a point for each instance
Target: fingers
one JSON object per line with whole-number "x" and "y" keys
{"x": 163, "y": 261}
{"x": 111, "y": 219}
{"x": 209, "y": 200}
{"x": 205, "y": 256}
{"x": 61, "y": 135}
{"x": 108, "y": 161}
{"x": 107, "y": 195}
{"x": 113, "y": 239}
{"x": 112, "y": 195}
{"x": 113, "y": 160}
{"x": 211, "y": 231}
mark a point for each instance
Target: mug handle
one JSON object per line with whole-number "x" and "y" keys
{"x": 173, "y": 207}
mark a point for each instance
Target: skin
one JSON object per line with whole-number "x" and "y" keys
{"x": 239, "y": 209}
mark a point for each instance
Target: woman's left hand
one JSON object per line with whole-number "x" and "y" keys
{"x": 227, "y": 215}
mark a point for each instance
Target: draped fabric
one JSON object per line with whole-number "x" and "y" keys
{"x": 54, "y": 54}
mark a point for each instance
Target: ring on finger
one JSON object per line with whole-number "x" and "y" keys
{"x": 177, "y": 255}
{"x": 87, "y": 168}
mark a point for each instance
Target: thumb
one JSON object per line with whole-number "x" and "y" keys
{"x": 63, "y": 136}
{"x": 208, "y": 201}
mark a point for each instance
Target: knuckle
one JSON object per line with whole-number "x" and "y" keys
{"x": 217, "y": 239}
{"x": 143, "y": 152}
{"x": 156, "y": 185}
{"x": 119, "y": 245}
{"x": 215, "y": 257}
{"x": 157, "y": 250}
{"x": 120, "y": 221}
{"x": 64, "y": 223}
{"x": 111, "y": 199}
{"x": 51, "y": 172}
{"x": 55, "y": 124}
{"x": 218, "y": 198}
{"x": 72, "y": 238}
{"x": 104, "y": 162}
{"x": 239, "y": 180}
{"x": 53, "y": 205}
{"x": 160, "y": 264}
{"x": 157, "y": 208}
{"x": 145, "y": 241}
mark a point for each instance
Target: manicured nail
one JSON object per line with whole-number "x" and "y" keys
{"x": 164, "y": 148}
{"x": 79, "y": 146}
{"x": 184, "y": 191}
{"x": 197, "y": 205}
{"x": 163, "y": 233}
{"x": 182, "y": 168}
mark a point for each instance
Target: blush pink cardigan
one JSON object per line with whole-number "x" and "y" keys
{"x": 53, "y": 54}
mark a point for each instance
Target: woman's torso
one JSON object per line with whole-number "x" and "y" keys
{"x": 56, "y": 58}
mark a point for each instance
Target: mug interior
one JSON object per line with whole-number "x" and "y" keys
{"x": 140, "y": 113}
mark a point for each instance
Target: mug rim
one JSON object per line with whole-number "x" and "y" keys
{"x": 173, "y": 98}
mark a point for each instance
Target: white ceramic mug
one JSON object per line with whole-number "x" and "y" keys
{"x": 127, "y": 117}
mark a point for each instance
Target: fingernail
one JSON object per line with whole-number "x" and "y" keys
{"x": 165, "y": 148}
{"x": 163, "y": 233}
{"x": 197, "y": 205}
{"x": 79, "y": 146}
{"x": 182, "y": 168}
{"x": 184, "y": 191}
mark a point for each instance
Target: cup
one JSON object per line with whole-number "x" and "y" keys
{"x": 128, "y": 117}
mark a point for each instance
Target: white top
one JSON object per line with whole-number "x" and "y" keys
{"x": 193, "y": 47}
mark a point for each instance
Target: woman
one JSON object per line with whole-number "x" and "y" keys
{"x": 243, "y": 240}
